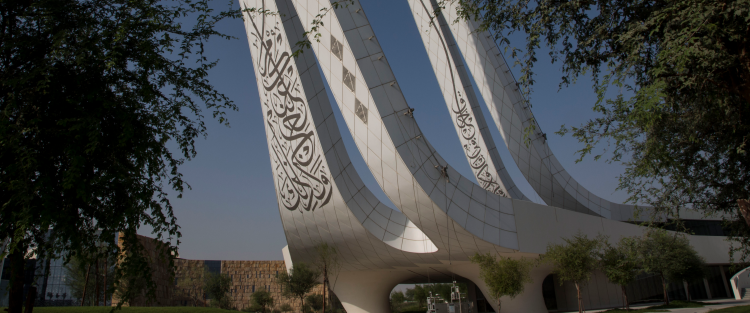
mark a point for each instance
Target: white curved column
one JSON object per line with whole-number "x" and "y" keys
{"x": 740, "y": 281}
{"x": 321, "y": 197}
{"x": 512, "y": 115}
{"x": 462, "y": 103}
{"x": 400, "y": 158}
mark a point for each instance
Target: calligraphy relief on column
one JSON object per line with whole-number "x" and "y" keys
{"x": 303, "y": 180}
{"x": 475, "y": 151}
{"x": 463, "y": 118}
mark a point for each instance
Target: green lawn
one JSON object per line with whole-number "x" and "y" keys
{"x": 677, "y": 304}
{"x": 92, "y": 309}
{"x": 737, "y": 309}
{"x": 636, "y": 311}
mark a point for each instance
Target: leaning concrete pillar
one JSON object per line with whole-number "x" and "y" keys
{"x": 367, "y": 291}
{"x": 530, "y": 301}
{"x": 471, "y": 295}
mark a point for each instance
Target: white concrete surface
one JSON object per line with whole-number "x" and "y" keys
{"x": 441, "y": 221}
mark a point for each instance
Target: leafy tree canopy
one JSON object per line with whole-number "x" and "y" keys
{"x": 620, "y": 263}
{"x": 398, "y": 297}
{"x": 503, "y": 276}
{"x": 420, "y": 292}
{"x": 326, "y": 261}
{"x": 314, "y": 302}
{"x": 93, "y": 94}
{"x": 299, "y": 281}
{"x": 76, "y": 280}
{"x": 669, "y": 255}
{"x": 286, "y": 307}
{"x": 191, "y": 281}
{"x": 216, "y": 286}
{"x": 575, "y": 260}
{"x": 263, "y": 299}
{"x": 673, "y": 86}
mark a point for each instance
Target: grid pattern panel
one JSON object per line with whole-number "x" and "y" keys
{"x": 400, "y": 158}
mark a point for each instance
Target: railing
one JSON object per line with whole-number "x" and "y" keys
{"x": 740, "y": 281}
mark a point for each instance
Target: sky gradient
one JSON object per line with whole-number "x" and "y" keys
{"x": 231, "y": 211}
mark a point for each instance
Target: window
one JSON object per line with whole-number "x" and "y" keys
{"x": 349, "y": 79}
{"x": 337, "y": 48}
{"x": 253, "y": 288}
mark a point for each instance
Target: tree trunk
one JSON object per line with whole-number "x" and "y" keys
{"x": 744, "y": 205}
{"x": 96, "y": 283}
{"x": 325, "y": 286}
{"x": 85, "y": 285}
{"x": 625, "y": 294}
{"x": 580, "y": 299}
{"x": 664, "y": 286}
{"x": 30, "y": 298}
{"x": 15, "y": 298}
{"x": 46, "y": 277}
{"x": 498, "y": 306}
{"x": 302, "y": 300}
{"x": 687, "y": 290}
{"x": 106, "y": 270}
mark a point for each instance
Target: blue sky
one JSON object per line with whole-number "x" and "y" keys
{"x": 231, "y": 212}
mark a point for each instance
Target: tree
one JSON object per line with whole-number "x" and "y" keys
{"x": 574, "y": 261}
{"x": 81, "y": 283}
{"x": 191, "y": 281}
{"x": 217, "y": 286}
{"x": 672, "y": 80}
{"x": 285, "y": 307}
{"x": 443, "y": 290}
{"x": 397, "y": 297}
{"x": 419, "y": 294}
{"x": 254, "y": 307}
{"x": 667, "y": 255}
{"x": 263, "y": 299}
{"x": 102, "y": 102}
{"x": 298, "y": 282}
{"x": 315, "y": 302}
{"x": 327, "y": 263}
{"x": 503, "y": 276}
{"x": 692, "y": 269}
{"x": 620, "y": 264}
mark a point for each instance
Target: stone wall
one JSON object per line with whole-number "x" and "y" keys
{"x": 189, "y": 283}
{"x": 184, "y": 285}
{"x": 250, "y": 276}
{"x": 247, "y": 277}
{"x": 158, "y": 255}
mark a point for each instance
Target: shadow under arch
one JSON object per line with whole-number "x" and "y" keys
{"x": 548, "y": 292}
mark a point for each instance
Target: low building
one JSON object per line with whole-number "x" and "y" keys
{"x": 184, "y": 285}
{"x": 247, "y": 278}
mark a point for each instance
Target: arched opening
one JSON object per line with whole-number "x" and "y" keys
{"x": 411, "y": 294}
{"x": 548, "y": 292}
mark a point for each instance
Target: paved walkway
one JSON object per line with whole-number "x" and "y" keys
{"x": 717, "y": 304}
